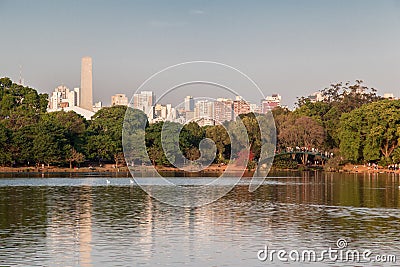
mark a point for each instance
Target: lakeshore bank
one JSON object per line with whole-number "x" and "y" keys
{"x": 214, "y": 168}
{"x": 110, "y": 168}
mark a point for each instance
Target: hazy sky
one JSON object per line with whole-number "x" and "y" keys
{"x": 290, "y": 47}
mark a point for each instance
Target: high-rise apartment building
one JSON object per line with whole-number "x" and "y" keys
{"x": 145, "y": 102}
{"x": 189, "y": 103}
{"x": 164, "y": 113}
{"x": 255, "y": 108}
{"x": 223, "y": 110}
{"x": 240, "y": 106}
{"x": 189, "y": 115}
{"x": 204, "y": 109}
{"x": 63, "y": 97}
{"x": 68, "y": 100}
{"x": 86, "y": 98}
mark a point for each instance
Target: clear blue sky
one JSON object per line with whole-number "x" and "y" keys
{"x": 290, "y": 47}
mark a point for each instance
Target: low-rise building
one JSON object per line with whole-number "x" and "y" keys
{"x": 270, "y": 102}
{"x": 119, "y": 100}
{"x": 316, "y": 97}
{"x": 97, "y": 106}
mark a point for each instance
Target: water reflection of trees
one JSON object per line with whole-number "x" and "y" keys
{"x": 22, "y": 208}
{"x": 330, "y": 205}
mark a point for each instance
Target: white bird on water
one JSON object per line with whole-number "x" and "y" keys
{"x": 108, "y": 181}
{"x": 131, "y": 181}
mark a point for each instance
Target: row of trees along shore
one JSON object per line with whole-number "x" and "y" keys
{"x": 352, "y": 122}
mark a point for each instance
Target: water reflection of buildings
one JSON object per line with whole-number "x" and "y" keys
{"x": 70, "y": 226}
{"x": 84, "y": 213}
{"x": 147, "y": 230}
{"x": 171, "y": 232}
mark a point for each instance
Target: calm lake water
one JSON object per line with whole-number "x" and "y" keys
{"x": 82, "y": 221}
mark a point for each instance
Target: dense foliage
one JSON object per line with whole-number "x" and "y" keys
{"x": 371, "y": 132}
{"x": 339, "y": 98}
{"x": 30, "y": 136}
{"x": 350, "y": 117}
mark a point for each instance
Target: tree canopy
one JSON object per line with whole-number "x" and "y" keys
{"x": 371, "y": 132}
{"x": 338, "y": 98}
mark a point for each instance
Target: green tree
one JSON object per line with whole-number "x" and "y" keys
{"x": 22, "y": 144}
{"x": 20, "y": 111}
{"x": 396, "y": 155}
{"x": 239, "y": 138}
{"x": 192, "y": 153}
{"x": 371, "y": 132}
{"x": 252, "y": 125}
{"x": 153, "y": 144}
{"x": 303, "y": 132}
{"x": 339, "y": 98}
{"x": 74, "y": 156}
{"x": 221, "y": 139}
{"x": 55, "y": 135}
{"x": 5, "y": 138}
{"x": 170, "y": 142}
{"x": 20, "y": 105}
{"x": 104, "y": 134}
{"x": 50, "y": 141}
{"x": 351, "y": 137}
{"x": 192, "y": 134}
{"x": 135, "y": 122}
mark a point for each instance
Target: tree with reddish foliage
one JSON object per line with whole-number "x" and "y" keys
{"x": 245, "y": 158}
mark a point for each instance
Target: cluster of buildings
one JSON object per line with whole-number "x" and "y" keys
{"x": 203, "y": 111}
{"x": 80, "y": 99}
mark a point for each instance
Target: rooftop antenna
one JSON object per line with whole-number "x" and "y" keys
{"x": 20, "y": 74}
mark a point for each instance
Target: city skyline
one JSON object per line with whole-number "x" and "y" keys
{"x": 203, "y": 110}
{"x": 302, "y": 48}
{"x": 211, "y": 111}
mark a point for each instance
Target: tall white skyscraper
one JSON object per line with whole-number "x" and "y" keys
{"x": 86, "y": 98}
